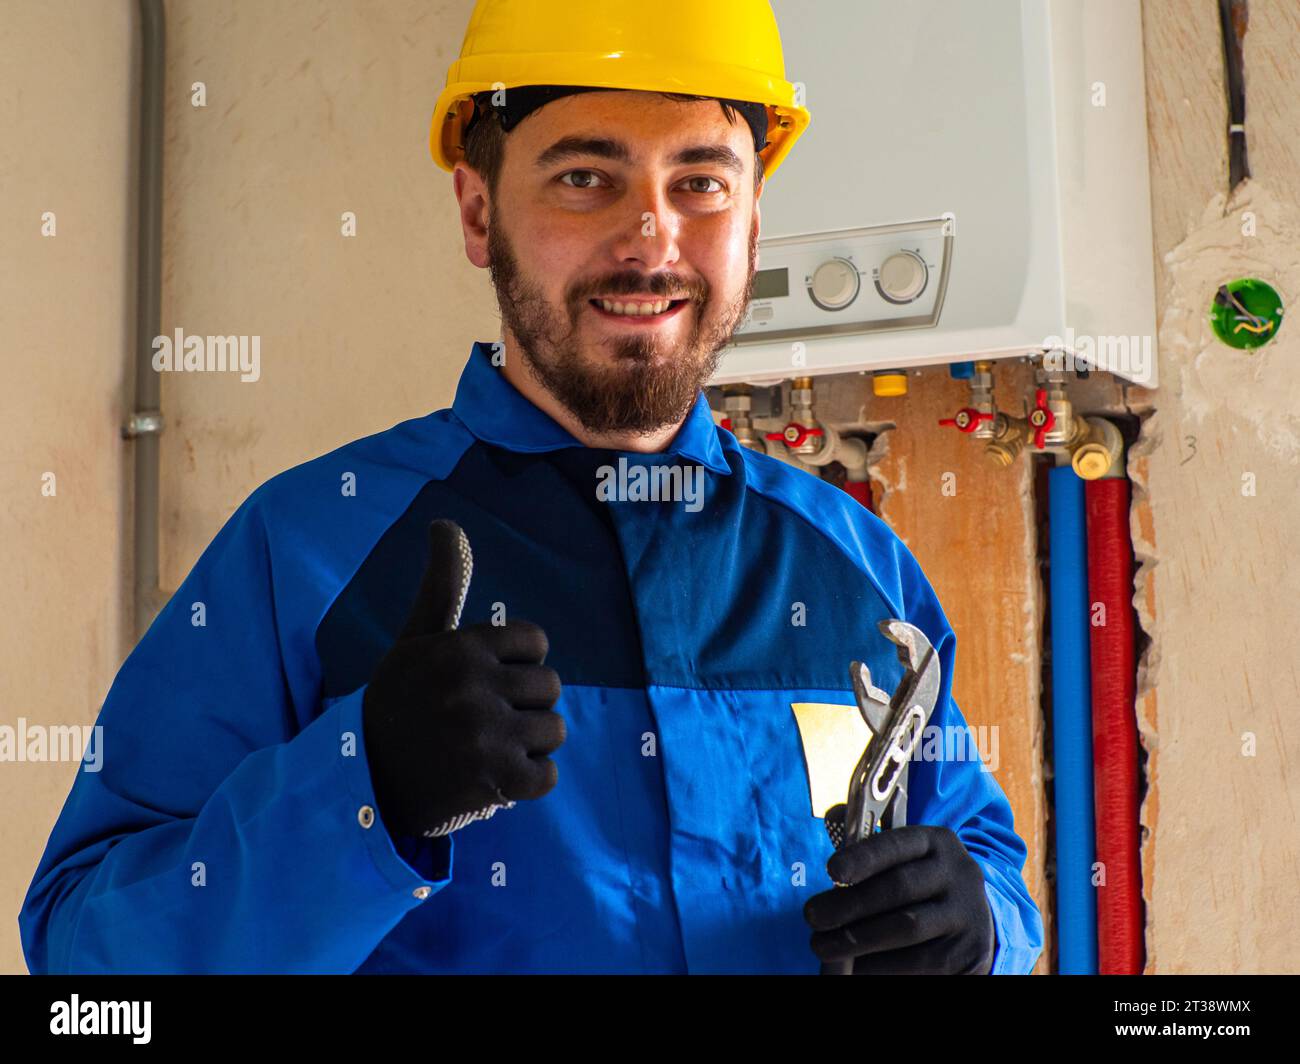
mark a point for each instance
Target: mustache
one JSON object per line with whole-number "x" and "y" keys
{"x": 663, "y": 285}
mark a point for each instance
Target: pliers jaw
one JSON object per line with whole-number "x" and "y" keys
{"x": 877, "y": 791}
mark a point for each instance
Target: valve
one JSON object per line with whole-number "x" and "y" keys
{"x": 967, "y": 419}
{"x": 1041, "y": 418}
{"x": 795, "y": 435}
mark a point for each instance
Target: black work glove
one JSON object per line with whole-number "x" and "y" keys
{"x": 458, "y": 723}
{"x": 912, "y": 903}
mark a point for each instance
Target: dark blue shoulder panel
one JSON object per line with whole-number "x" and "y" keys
{"x": 544, "y": 550}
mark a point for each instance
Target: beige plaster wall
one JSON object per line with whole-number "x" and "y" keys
{"x": 66, "y": 307}
{"x": 1220, "y": 586}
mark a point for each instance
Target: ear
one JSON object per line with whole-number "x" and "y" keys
{"x": 472, "y": 198}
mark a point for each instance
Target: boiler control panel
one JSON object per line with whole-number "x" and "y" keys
{"x": 849, "y": 281}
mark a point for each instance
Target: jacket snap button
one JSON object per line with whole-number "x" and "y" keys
{"x": 365, "y": 816}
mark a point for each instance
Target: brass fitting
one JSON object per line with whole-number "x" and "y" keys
{"x": 1098, "y": 450}
{"x": 736, "y": 404}
{"x": 1010, "y": 434}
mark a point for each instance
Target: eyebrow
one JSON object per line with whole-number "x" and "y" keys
{"x": 606, "y": 148}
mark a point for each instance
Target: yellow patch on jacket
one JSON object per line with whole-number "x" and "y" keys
{"x": 833, "y": 739}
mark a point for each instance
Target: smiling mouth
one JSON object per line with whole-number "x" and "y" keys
{"x": 637, "y": 311}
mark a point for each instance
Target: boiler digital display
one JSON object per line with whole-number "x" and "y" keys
{"x": 769, "y": 284}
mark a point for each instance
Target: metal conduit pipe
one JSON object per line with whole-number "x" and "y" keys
{"x": 145, "y": 423}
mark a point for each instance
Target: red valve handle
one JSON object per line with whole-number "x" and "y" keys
{"x": 967, "y": 419}
{"x": 726, "y": 424}
{"x": 1041, "y": 418}
{"x": 795, "y": 434}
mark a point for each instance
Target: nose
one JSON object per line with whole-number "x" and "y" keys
{"x": 648, "y": 234}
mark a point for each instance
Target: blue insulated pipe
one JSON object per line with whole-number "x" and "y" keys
{"x": 1076, "y": 898}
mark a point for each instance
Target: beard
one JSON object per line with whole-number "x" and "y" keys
{"x": 650, "y": 383}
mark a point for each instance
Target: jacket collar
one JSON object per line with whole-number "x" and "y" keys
{"x": 496, "y": 412}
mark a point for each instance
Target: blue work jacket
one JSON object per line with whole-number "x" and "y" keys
{"x": 230, "y": 827}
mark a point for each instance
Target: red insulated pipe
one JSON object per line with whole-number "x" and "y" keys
{"x": 1120, "y": 947}
{"x": 860, "y": 490}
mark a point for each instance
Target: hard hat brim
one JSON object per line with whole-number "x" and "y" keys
{"x": 786, "y": 121}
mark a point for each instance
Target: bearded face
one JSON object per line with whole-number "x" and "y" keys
{"x": 628, "y": 378}
{"x": 621, "y": 237}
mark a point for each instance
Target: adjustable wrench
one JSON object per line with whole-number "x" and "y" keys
{"x": 877, "y": 799}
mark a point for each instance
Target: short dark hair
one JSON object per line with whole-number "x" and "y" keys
{"x": 485, "y": 142}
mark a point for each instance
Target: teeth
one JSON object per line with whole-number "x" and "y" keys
{"x": 635, "y": 310}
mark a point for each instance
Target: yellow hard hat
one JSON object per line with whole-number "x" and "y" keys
{"x": 729, "y": 49}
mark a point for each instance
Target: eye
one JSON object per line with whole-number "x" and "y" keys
{"x": 706, "y": 191}
{"x": 582, "y": 174}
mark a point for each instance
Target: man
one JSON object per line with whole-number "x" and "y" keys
{"x": 601, "y": 770}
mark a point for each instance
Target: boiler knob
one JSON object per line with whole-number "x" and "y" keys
{"x": 835, "y": 284}
{"x": 902, "y": 277}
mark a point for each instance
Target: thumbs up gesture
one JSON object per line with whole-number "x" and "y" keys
{"x": 458, "y": 722}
